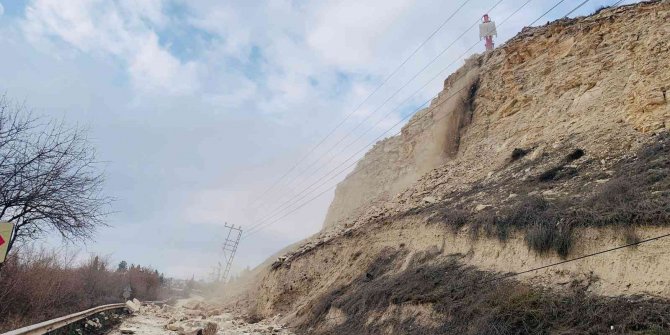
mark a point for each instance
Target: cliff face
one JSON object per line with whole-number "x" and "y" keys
{"x": 600, "y": 82}
{"x": 429, "y": 139}
{"x": 553, "y": 145}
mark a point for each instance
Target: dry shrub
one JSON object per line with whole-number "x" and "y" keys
{"x": 637, "y": 195}
{"x": 454, "y": 218}
{"x": 543, "y": 237}
{"x": 518, "y": 153}
{"x": 630, "y": 236}
{"x": 38, "y": 285}
{"x": 600, "y": 9}
{"x": 540, "y": 219}
{"x": 557, "y": 173}
{"x": 469, "y": 301}
{"x": 549, "y": 174}
{"x": 575, "y": 155}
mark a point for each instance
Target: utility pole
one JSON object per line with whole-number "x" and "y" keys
{"x": 486, "y": 31}
{"x": 229, "y": 249}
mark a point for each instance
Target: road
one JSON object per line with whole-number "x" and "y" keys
{"x": 191, "y": 317}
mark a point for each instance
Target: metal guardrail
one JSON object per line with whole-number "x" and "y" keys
{"x": 51, "y": 325}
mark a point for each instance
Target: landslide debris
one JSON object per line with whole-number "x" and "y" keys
{"x": 195, "y": 317}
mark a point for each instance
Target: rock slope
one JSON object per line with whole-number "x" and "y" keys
{"x": 554, "y": 145}
{"x": 599, "y": 82}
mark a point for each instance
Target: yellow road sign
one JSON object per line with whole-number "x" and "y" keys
{"x": 5, "y": 234}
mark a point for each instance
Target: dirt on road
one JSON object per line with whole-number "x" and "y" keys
{"x": 194, "y": 316}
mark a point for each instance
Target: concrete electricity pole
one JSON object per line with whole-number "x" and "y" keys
{"x": 229, "y": 249}
{"x": 486, "y": 31}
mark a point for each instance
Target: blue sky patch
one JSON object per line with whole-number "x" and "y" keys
{"x": 14, "y": 7}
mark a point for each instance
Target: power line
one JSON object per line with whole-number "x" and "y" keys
{"x": 514, "y": 13}
{"x": 293, "y": 198}
{"x": 351, "y": 131}
{"x": 359, "y": 151}
{"x": 547, "y": 12}
{"x": 367, "y": 117}
{"x": 397, "y": 91}
{"x": 252, "y": 229}
{"x": 298, "y": 196}
{"x": 576, "y": 8}
{"x": 367, "y": 98}
{"x": 274, "y": 212}
{"x": 375, "y": 111}
{"x": 515, "y": 274}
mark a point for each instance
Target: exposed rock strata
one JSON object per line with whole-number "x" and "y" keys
{"x": 599, "y": 82}
{"x": 592, "y": 88}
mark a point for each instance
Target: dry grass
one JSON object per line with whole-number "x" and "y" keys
{"x": 636, "y": 195}
{"x": 468, "y": 301}
{"x": 518, "y": 153}
{"x": 38, "y": 285}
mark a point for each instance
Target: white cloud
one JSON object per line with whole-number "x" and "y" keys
{"x": 348, "y": 33}
{"x": 223, "y": 20}
{"x": 123, "y": 29}
{"x": 2, "y": 9}
{"x": 154, "y": 68}
{"x": 245, "y": 90}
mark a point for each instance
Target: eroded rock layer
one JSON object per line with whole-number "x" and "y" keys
{"x": 554, "y": 145}
{"x": 599, "y": 82}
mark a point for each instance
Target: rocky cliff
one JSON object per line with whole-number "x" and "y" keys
{"x": 554, "y": 145}
{"x": 430, "y": 138}
{"x": 600, "y": 80}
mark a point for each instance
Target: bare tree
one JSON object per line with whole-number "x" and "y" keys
{"x": 49, "y": 178}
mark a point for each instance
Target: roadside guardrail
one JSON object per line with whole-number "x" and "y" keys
{"x": 51, "y": 325}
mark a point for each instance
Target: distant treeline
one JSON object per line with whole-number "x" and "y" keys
{"x": 38, "y": 285}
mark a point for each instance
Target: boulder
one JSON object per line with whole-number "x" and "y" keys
{"x": 192, "y": 304}
{"x": 174, "y": 327}
{"x": 482, "y": 207}
{"x": 430, "y": 200}
{"x": 198, "y": 331}
{"x": 92, "y": 323}
{"x": 132, "y": 306}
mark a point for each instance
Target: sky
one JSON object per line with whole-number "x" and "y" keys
{"x": 197, "y": 108}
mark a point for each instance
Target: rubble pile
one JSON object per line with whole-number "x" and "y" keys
{"x": 194, "y": 317}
